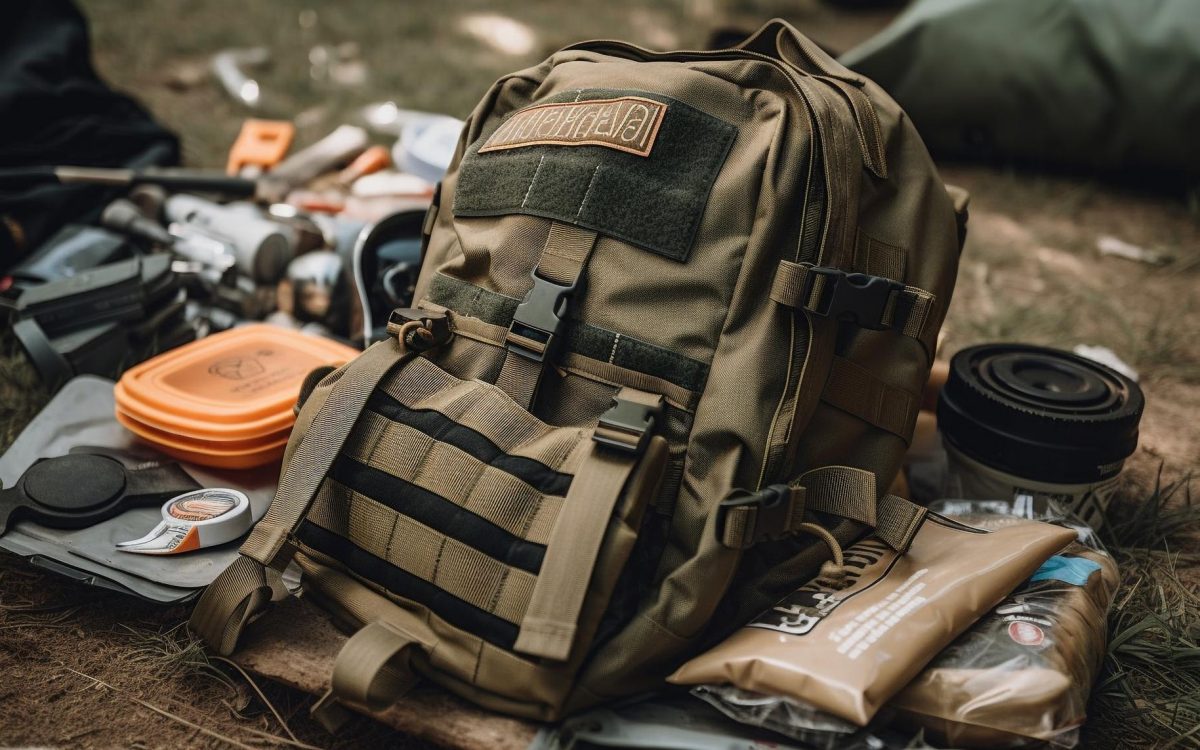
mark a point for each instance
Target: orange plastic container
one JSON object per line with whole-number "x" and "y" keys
{"x": 225, "y": 400}
{"x": 244, "y": 457}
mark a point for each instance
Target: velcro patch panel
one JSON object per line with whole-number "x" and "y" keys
{"x": 567, "y": 159}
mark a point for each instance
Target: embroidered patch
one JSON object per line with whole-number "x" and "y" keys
{"x": 628, "y": 123}
{"x": 654, "y": 201}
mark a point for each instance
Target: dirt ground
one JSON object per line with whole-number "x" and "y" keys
{"x": 82, "y": 668}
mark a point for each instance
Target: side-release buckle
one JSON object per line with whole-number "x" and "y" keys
{"x": 628, "y": 424}
{"x": 854, "y": 297}
{"x": 750, "y": 518}
{"x": 538, "y": 320}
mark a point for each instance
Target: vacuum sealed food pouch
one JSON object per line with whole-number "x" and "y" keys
{"x": 847, "y": 645}
{"x": 1021, "y": 676}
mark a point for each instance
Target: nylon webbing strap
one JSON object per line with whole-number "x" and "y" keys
{"x": 372, "y": 670}
{"x": 317, "y": 451}
{"x": 744, "y": 526}
{"x": 520, "y": 376}
{"x": 838, "y": 490}
{"x": 841, "y": 491}
{"x": 239, "y": 593}
{"x": 850, "y": 493}
{"x": 856, "y": 390}
{"x": 909, "y": 312}
{"x": 539, "y": 319}
{"x": 878, "y": 258}
{"x": 565, "y": 253}
{"x": 548, "y": 628}
{"x": 905, "y": 309}
{"x": 242, "y": 590}
{"x": 899, "y": 521}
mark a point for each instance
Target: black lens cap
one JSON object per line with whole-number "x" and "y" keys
{"x": 1040, "y": 413}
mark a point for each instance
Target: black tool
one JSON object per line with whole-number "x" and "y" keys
{"x": 174, "y": 180}
{"x": 123, "y": 215}
{"x": 83, "y": 489}
{"x": 71, "y": 251}
{"x": 120, "y": 291}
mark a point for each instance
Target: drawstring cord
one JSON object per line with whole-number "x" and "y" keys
{"x": 833, "y": 572}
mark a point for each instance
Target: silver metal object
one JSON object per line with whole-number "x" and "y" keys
{"x": 261, "y": 248}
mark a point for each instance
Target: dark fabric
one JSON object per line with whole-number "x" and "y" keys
{"x": 1097, "y": 85}
{"x": 450, "y": 608}
{"x": 443, "y": 429}
{"x": 581, "y": 338}
{"x": 473, "y": 301}
{"x": 607, "y": 346}
{"x": 439, "y": 514}
{"x": 55, "y": 110}
{"x": 655, "y": 202}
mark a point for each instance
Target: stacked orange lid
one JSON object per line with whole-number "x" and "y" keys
{"x": 225, "y": 400}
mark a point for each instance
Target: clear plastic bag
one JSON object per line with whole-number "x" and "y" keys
{"x": 1022, "y": 674}
{"x": 798, "y": 720}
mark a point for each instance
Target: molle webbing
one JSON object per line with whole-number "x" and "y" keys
{"x": 395, "y": 579}
{"x": 858, "y": 391}
{"x": 581, "y": 338}
{"x": 456, "y": 513}
{"x": 499, "y": 488}
{"x": 244, "y": 589}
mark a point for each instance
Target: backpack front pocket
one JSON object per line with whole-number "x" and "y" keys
{"x": 506, "y": 534}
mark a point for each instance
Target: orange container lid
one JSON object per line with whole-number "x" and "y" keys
{"x": 172, "y": 424}
{"x": 220, "y": 459}
{"x": 240, "y": 384}
{"x": 150, "y": 431}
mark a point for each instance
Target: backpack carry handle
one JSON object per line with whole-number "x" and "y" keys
{"x": 780, "y": 40}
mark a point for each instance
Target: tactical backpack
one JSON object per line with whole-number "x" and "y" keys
{"x": 674, "y": 316}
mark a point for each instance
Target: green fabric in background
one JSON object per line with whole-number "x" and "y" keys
{"x": 1098, "y": 85}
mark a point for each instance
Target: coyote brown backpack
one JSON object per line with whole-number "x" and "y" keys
{"x": 673, "y": 320}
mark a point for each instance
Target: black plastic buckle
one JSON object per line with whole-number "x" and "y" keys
{"x": 539, "y": 319}
{"x": 855, "y": 297}
{"x": 773, "y": 516}
{"x": 627, "y": 425}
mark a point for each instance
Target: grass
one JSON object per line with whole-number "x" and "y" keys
{"x": 1149, "y": 693}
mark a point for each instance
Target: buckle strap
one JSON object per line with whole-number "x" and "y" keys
{"x": 552, "y": 618}
{"x": 872, "y": 302}
{"x": 538, "y": 322}
{"x": 778, "y": 510}
{"x": 771, "y": 513}
{"x": 629, "y": 422}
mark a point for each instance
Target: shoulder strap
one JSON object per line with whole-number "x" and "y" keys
{"x": 243, "y": 589}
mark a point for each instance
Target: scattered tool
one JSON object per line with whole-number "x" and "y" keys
{"x": 204, "y": 181}
{"x": 203, "y": 518}
{"x": 82, "y": 489}
{"x": 229, "y": 68}
{"x": 261, "y": 247}
{"x": 260, "y": 145}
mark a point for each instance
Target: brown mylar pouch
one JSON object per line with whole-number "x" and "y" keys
{"x": 847, "y": 648}
{"x": 1021, "y": 676}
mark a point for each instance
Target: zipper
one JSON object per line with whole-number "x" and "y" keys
{"x": 814, "y": 216}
